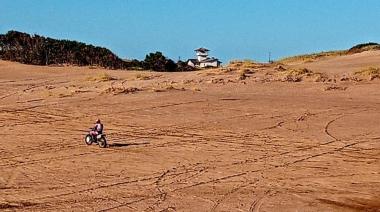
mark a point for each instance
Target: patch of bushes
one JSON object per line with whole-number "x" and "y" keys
{"x": 371, "y": 73}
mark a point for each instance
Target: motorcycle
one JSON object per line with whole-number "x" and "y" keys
{"x": 99, "y": 139}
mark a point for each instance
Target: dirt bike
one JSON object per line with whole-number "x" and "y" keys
{"x": 99, "y": 139}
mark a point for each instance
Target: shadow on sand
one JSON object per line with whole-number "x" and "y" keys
{"x": 121, "y": 145}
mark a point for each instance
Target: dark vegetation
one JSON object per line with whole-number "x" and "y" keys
{"x": 38, "y": 50}
{"x": 364, "y": 47}
{"x": 158, "y": 62}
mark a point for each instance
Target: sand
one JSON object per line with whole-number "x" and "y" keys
{"x": 199, "y": 141}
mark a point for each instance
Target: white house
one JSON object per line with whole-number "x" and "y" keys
{"x": 203, "y": 61}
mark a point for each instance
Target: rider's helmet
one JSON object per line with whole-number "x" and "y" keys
{"x": 98, "y": 121}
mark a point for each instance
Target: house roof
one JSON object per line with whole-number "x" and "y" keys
{"x": 210, "y": 60}
{"x": 194, "y": 61}
{"x": 202, "y": 50}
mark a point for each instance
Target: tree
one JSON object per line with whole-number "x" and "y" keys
{"x": 38, "y": 50}
{"x": 158, "y": 62}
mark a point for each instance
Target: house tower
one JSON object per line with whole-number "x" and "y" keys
{"x": 202, "y": 54}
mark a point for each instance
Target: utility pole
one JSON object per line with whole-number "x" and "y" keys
{"x": 46, "y": 54}
{"x": 270, "y": 59}
{"x": 46, "y": 57}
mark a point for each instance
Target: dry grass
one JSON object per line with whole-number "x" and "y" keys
{"x": 226, "y": 70}
{"x": 297, "y": 75}
{"x": 247, "y": 71}
{"x": 280, "y": 68}
{"x": 371, "y": 73}
{"x": 244, "y": 64}
{"x": 217, "y": 81}
{"x": 244, "y": 73}
{"x": 16, "y": 205}
{"x": 49, "y": 93}
{"x": 144, "y": 77}
{"x": 196, "y": 89}
{"x": 307, "y": 58}
{"x": 187, "y": 81}
{"x": 208, "y": 73}
{"x": 294, "y": 75}
{"x": 103, "y": 77}
{"x": 63, "y": 95}
{"x": 335, "y": 88}
{"x": 168, "y": 88}
{"x": 320, "y": 77}
{"x": 243, "y": 67}
{"x": 121, "y": 90}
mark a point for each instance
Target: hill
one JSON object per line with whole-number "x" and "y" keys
{"x": 307, "y": 58}
{"x": 345, "y": 64}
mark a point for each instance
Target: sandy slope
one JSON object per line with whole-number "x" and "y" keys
{"x": 345, "y": 64}
{"x": 200, "y": 141}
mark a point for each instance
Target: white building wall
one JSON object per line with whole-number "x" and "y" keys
{"x": 191, "y": 64}
{"x": 208, "y": 64}
{"x": 202, "y": 56}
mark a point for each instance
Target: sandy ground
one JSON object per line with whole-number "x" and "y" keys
{"x": 200, "y": 141}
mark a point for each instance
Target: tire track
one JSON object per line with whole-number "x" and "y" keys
{"x": 256, "y": 204}
{"x": 231, "y": 192}
{"x": 326, "y": 129}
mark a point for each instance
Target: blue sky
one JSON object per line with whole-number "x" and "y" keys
{"x": 232, "y": 29}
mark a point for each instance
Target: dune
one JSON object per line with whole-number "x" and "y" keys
{"x": 345, "y": 64}
{"x": 238, "y": 138}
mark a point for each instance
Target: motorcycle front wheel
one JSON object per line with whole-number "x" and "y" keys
{"x": 88, "y": 139}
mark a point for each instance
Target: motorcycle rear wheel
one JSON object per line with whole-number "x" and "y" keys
{"x": 102, "y": 142}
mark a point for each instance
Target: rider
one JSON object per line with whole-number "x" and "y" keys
{"x": 98, "y": 129}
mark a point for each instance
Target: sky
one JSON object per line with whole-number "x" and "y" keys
{"x": 231, "y": 29}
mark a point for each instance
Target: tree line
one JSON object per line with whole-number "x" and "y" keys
{"x": 38, "y": 50}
